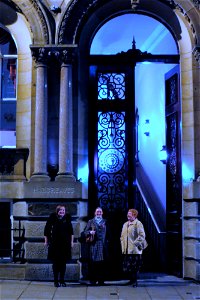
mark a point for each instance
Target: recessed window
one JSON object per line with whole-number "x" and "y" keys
{"x": 8, "y": 89}
{"x": 8, "y": 66}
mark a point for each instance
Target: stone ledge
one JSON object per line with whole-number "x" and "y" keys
{"x": 44, "y": 272}
{"x": 12, "y": 271}
{"x": 35, "y": 271}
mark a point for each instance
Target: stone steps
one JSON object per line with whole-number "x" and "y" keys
{"x": 37, "y": 271}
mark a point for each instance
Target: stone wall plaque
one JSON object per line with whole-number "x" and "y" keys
{"x": 53, "y": 189}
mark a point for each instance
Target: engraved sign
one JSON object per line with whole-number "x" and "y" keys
{"x": 52, "y": 190}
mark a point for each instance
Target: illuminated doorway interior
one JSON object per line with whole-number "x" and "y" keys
{"x": 120, "y": 88}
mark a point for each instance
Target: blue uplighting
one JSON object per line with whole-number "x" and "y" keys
{"x": 83, "y": 173}
{"x": 187, "y": 173}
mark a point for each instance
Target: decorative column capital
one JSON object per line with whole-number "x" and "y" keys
{"x": 67, "y": 56}
{"x": 40, "y": 54}
{"x": 62, "y": 53}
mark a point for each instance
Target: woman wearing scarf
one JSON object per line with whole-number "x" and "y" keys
{"x": 96, "y": 233}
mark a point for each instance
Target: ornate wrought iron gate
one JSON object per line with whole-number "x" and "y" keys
{"x": 111, "y": 136}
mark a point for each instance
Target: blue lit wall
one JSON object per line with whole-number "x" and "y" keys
{"x": 150, "y": 101}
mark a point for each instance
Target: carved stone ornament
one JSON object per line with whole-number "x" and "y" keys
{"x": 196, "y": 53}
{"x": 40, "y": 54}
{"x": 45, "y": 54}
{"x": 134, "y": 4}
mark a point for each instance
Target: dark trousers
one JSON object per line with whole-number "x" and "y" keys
{"x": 59, "y": 269}
{"x": 96, "y": 271}
{"x": 136, "y": 265}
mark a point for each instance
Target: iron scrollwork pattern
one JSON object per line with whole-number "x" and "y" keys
{"x": 172, "y": 160}
{"x": 172, "y": 89}
{"x": 111, "y": 86}
{"x": 111, "y": 169}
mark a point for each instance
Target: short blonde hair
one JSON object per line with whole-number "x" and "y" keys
{"x": 134, "y": 212}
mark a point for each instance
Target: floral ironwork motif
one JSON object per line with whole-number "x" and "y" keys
{"x": 111, "y": 170}
{"x": 111, "y": 86}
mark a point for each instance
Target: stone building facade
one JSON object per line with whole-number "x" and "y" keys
{"x": 52, "y": 40}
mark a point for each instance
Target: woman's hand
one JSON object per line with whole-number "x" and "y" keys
{"x": 45, "y": 241}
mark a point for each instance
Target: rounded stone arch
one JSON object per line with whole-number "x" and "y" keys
{"x": 83, "y": 18}
{"x": 40, "y": 20}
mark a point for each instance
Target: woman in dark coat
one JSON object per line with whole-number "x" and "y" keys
{"x": 58, "y": 235}
{"x": 96, "y": 231}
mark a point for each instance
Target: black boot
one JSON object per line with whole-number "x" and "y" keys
{"x": 62, "y": 274}
{"x": 134, "y": 279}
{"x": 56, "y": 283}
{"x": 55, "y": 274}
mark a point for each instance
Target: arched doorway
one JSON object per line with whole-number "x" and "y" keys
{"x": 126, "y": 86}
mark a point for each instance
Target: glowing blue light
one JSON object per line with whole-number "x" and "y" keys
{"x": 83, "y": 173}
{"x": 186, "y": 173}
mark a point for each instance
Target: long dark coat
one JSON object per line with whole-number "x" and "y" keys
{"x": 59, "y": 232}
{"x": 98, "y": 250}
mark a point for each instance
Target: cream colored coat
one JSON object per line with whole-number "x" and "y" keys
{"x": 133, "y": 238}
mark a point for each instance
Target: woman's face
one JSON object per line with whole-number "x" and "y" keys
{"x": 61, "y": 212}
{"x": 130, "y": 216}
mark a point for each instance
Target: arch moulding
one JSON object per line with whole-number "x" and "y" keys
{"x": 79, "y": 12}
{"x": 37, "y": 19}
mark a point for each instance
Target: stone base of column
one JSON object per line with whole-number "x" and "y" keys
{"x": 66, "y": 177}
{"x": 40, "y": 177}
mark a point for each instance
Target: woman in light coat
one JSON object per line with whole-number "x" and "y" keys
{"x": 132, "y": 245}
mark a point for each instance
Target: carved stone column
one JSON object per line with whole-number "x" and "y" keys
{"x": 65, "y": 171}
{"x": 40, "y": 155}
